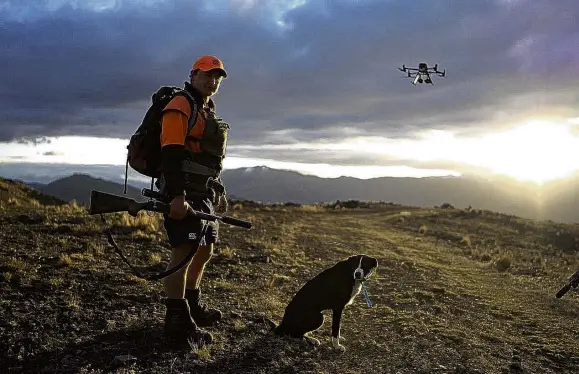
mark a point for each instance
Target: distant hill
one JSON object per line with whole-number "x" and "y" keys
{"x": 555, "y": 201}
{"x": 496, "y": 194}
{"x": 78, "y": 187}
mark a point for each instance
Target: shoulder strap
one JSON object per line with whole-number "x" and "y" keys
{"x": 194, "y": 112}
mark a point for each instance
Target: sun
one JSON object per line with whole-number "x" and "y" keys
{"x": 537, "y": 151}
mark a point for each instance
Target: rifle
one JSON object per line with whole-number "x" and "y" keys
{"x": 573, "y": 282}
{"x": 103, "y": 203}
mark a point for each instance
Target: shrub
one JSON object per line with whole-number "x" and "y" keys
{"x": 503, "y": 263}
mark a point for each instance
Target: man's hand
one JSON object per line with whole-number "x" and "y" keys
{"x": 179, "y": 207}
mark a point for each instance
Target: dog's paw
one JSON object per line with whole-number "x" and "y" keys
{"x": 337, "y": 345}
{"x": 312, "y": 341}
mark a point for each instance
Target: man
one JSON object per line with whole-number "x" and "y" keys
{"x": 189, "y": 160}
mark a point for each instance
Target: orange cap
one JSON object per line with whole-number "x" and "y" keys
{"x": 206, "y": 63}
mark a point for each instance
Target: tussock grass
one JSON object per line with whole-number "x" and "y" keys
{"x": 202, "y": 353}
{"x": 16, "y": 264}
{"x": 64, "y": 260}
{"x": 73, "y": 302}
{"x": 155, "y": 258}
{"x": 226, "y": 252}
{"x": 143, "y": 235}
{"x": 504, "y": 262}
{"x": 13, "y": 202}
{"x": 143, "y": 221}
{"x": 277, "y": 280}
{"x": 312, "y": 208}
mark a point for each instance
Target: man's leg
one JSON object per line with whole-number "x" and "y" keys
{"x": 197, "y": 266}
{"x": 175, "y": 283}
{"x": 178, "y": 321}
{"x": 201, "y": 314}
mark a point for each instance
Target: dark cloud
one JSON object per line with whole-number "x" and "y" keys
{"x": 74, "y": 70}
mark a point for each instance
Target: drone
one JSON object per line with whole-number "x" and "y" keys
{"x": 422, "y": 73}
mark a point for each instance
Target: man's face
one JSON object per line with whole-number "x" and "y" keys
{"x": 207, "y": 82}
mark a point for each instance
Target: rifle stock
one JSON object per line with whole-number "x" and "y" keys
{"x": 103, "y": 202}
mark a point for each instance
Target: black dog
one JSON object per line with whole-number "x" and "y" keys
{"x": 333, "y": 289}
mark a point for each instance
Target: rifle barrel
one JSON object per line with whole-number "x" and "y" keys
{"x": 563, "y": 291}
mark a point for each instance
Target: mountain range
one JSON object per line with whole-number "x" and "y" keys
{"x": 552, "y": 201}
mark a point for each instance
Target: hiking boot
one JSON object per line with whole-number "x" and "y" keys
{"x": 180, "y": 327}
{"x": 201, "y": 314}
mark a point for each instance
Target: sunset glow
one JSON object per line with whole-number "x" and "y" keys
{"x": 535, "y": 151}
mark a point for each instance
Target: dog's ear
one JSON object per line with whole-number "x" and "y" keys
{"x": 354, "y": 261}
{"x": 369, "y": 263}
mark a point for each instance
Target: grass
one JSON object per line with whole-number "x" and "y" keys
{"x": 467, "y": 291}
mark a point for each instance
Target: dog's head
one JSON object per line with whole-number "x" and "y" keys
{"x": 362, "y": 266}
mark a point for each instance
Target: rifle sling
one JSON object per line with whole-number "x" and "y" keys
{"x": 164, "y": 274}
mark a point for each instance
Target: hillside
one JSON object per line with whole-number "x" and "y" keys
{"x": 17, "y": 193}
{"x": 456, "y": 291}
{"x": 78, "y": 187}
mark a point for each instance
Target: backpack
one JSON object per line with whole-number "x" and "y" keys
{"x": 144, "y": 148}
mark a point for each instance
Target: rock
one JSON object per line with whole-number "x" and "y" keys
{"x": 124, "y": 359}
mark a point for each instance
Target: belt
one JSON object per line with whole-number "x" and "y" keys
{"x": 195, "y": 168}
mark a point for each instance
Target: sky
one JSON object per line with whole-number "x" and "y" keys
{"x": 312, "y": 86}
